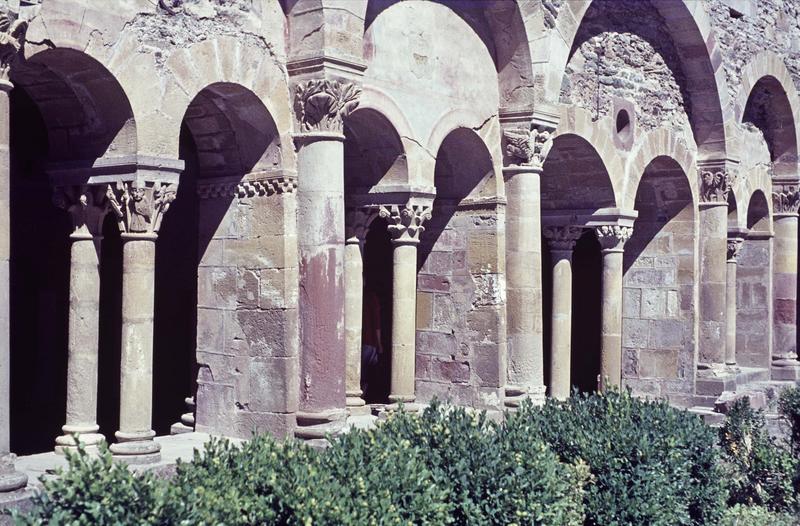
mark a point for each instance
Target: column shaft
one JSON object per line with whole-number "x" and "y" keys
{"x": 611, "y": 316}
{"x": 404, "y": 316}
{"x": 561, "y": 324}
{"x": 9, "y": 479}
{"x": 785, "y": 287}
{"x": 83, "y": 351}
{"x": 713, "y": 283}
{"x": 354, "y": 304}
{"x": 320, "y": 198}
{"x": 135, "y": 435}
{"x": 524, "y": 284}
{"x": 730, "y": 302}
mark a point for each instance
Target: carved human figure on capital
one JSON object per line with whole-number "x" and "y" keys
{"x": 140, "y": 207}
{"x": 12, "y": 39}
{"x": 528, "y": 147}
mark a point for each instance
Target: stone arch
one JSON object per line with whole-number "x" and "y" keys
{"x": 460, "y": 295}
{"x": 660, "y": 283}
{"x": 505, "y": 28}
{"x": 658, "y": 143}
{"x": 696, "y": 44}
{"x": 766, "y": 75}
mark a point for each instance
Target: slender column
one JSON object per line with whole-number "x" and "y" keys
{"x": 785, "y": 203}
{"x": 87, "y": 206}
{"x": 714, "y": 187}
{"x": 356, "y": 226}
{"x": 321, "y": 106}
{"x": 10, "y": 479}
{"x": 139, "y": 208}
{"x": 405, "y": 227}
{"x": 612, "y": 241}
{"x": 561, "y": 241}
{"x": 735, "y": 241}
{"x": 525, "y": 152}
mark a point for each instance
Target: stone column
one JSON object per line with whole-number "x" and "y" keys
{"x": 735, "y": 240}
{"x": 612, "y": 242}
{"x": 87, "y": 206}
{"x": 405, "y": 227}
{"x": 785, "y": 203}
{"x": 561, "y": 241}
{"x": 139, "y": 208}
{"x": 10, "y": 479}
{"x": 714, "y": 188}
{"x": 321, "y": 106}
{"x": 356, "y": 226}
{"x": 525, "y": 151}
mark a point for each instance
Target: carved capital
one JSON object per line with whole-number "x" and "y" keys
{"x": 785, "y": 200}
{"x": 140, "y": 207}
{"x": 715, "y": 185}
{"x": 322, "y": 105}
{"x": 613, "y": 237}
{"x": 356, "y": 224}
{"x": 12, "y": 39}
{"x": 562, "y": 237}
{"x": 734, "y": 247}
{"x": 405, "y": 222}
{"x": 87, "y": 206}
{"x": 528, "y": 147}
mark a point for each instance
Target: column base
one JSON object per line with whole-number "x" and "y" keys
{"x": 515, "y": 395}
{"x": 785, "y": 368}
{"x": 187, "y": 422}
{"x": 315, "y": 428}
{"x": 356, "y": 406}
{"x": 10, "y": 479}
{"x": 86, "y": 435}
{"x": 136, "y": 448}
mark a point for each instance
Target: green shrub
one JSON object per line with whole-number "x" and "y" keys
{"x": 95, "y": 491}
{"x": 740, "y": 515}
{"x": 493, "y": 476}
{"x": 651, "y": 464}
{"x": 789, "y": 407}
{"x": 759, "y": 469}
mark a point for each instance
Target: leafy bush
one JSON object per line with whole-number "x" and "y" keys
{"x": 740, "y": 515}
{"x": 95, "y": 491}
{"x": 493, "y": 476}
{"x": 789, "y": 407}
{"x": 651, "y": 464}
{"x": 759, "y": 469}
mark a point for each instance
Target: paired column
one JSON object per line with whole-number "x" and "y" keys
{"x": 735, "y": 240}
{"x": 714, "y": 188}
{"x": 612, "y": 240}
{"x": 321, "y": 106}
{"x": 356, "y": 226}
{"x": 88, "y": 207}
{"x": 405, "y": 227}
{"x": 525, "y": 373}
{"x": 561, "y": 240}
{"x": 785, "y": 203}
{"x": 139, "y": 207}
{"x": 10, "y": 479}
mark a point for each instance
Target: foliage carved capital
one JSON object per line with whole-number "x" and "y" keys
{"x": 322, "y": 105}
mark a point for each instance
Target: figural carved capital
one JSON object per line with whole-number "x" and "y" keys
{"x": 715, "y": 185}
{"x": 785, "y": 200}
{"x": 562, "y": 237}
{"x": 322, "y": 105}
{"x": 12, "y": 39}
{"x": 528, "y": 147}
{"x": 613, "y": 237}
{"x": 734, "y": 247}
{"x": 406, "y": 221}
{"x": 140, "y": 207}
{"x": 87, "y": 206}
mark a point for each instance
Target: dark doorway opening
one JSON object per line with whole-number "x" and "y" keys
{"x": 377, "y": 313}
{"x": 586, "y": 320}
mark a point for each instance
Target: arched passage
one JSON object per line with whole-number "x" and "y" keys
{"x": 659, "y": 285}
{"x": 575, "y": 185}
{"x": 67, "y": 113}
{"x": 460, "y": 322}
{"x": 753, "y": 290}
{"x": 229, "y": 242}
